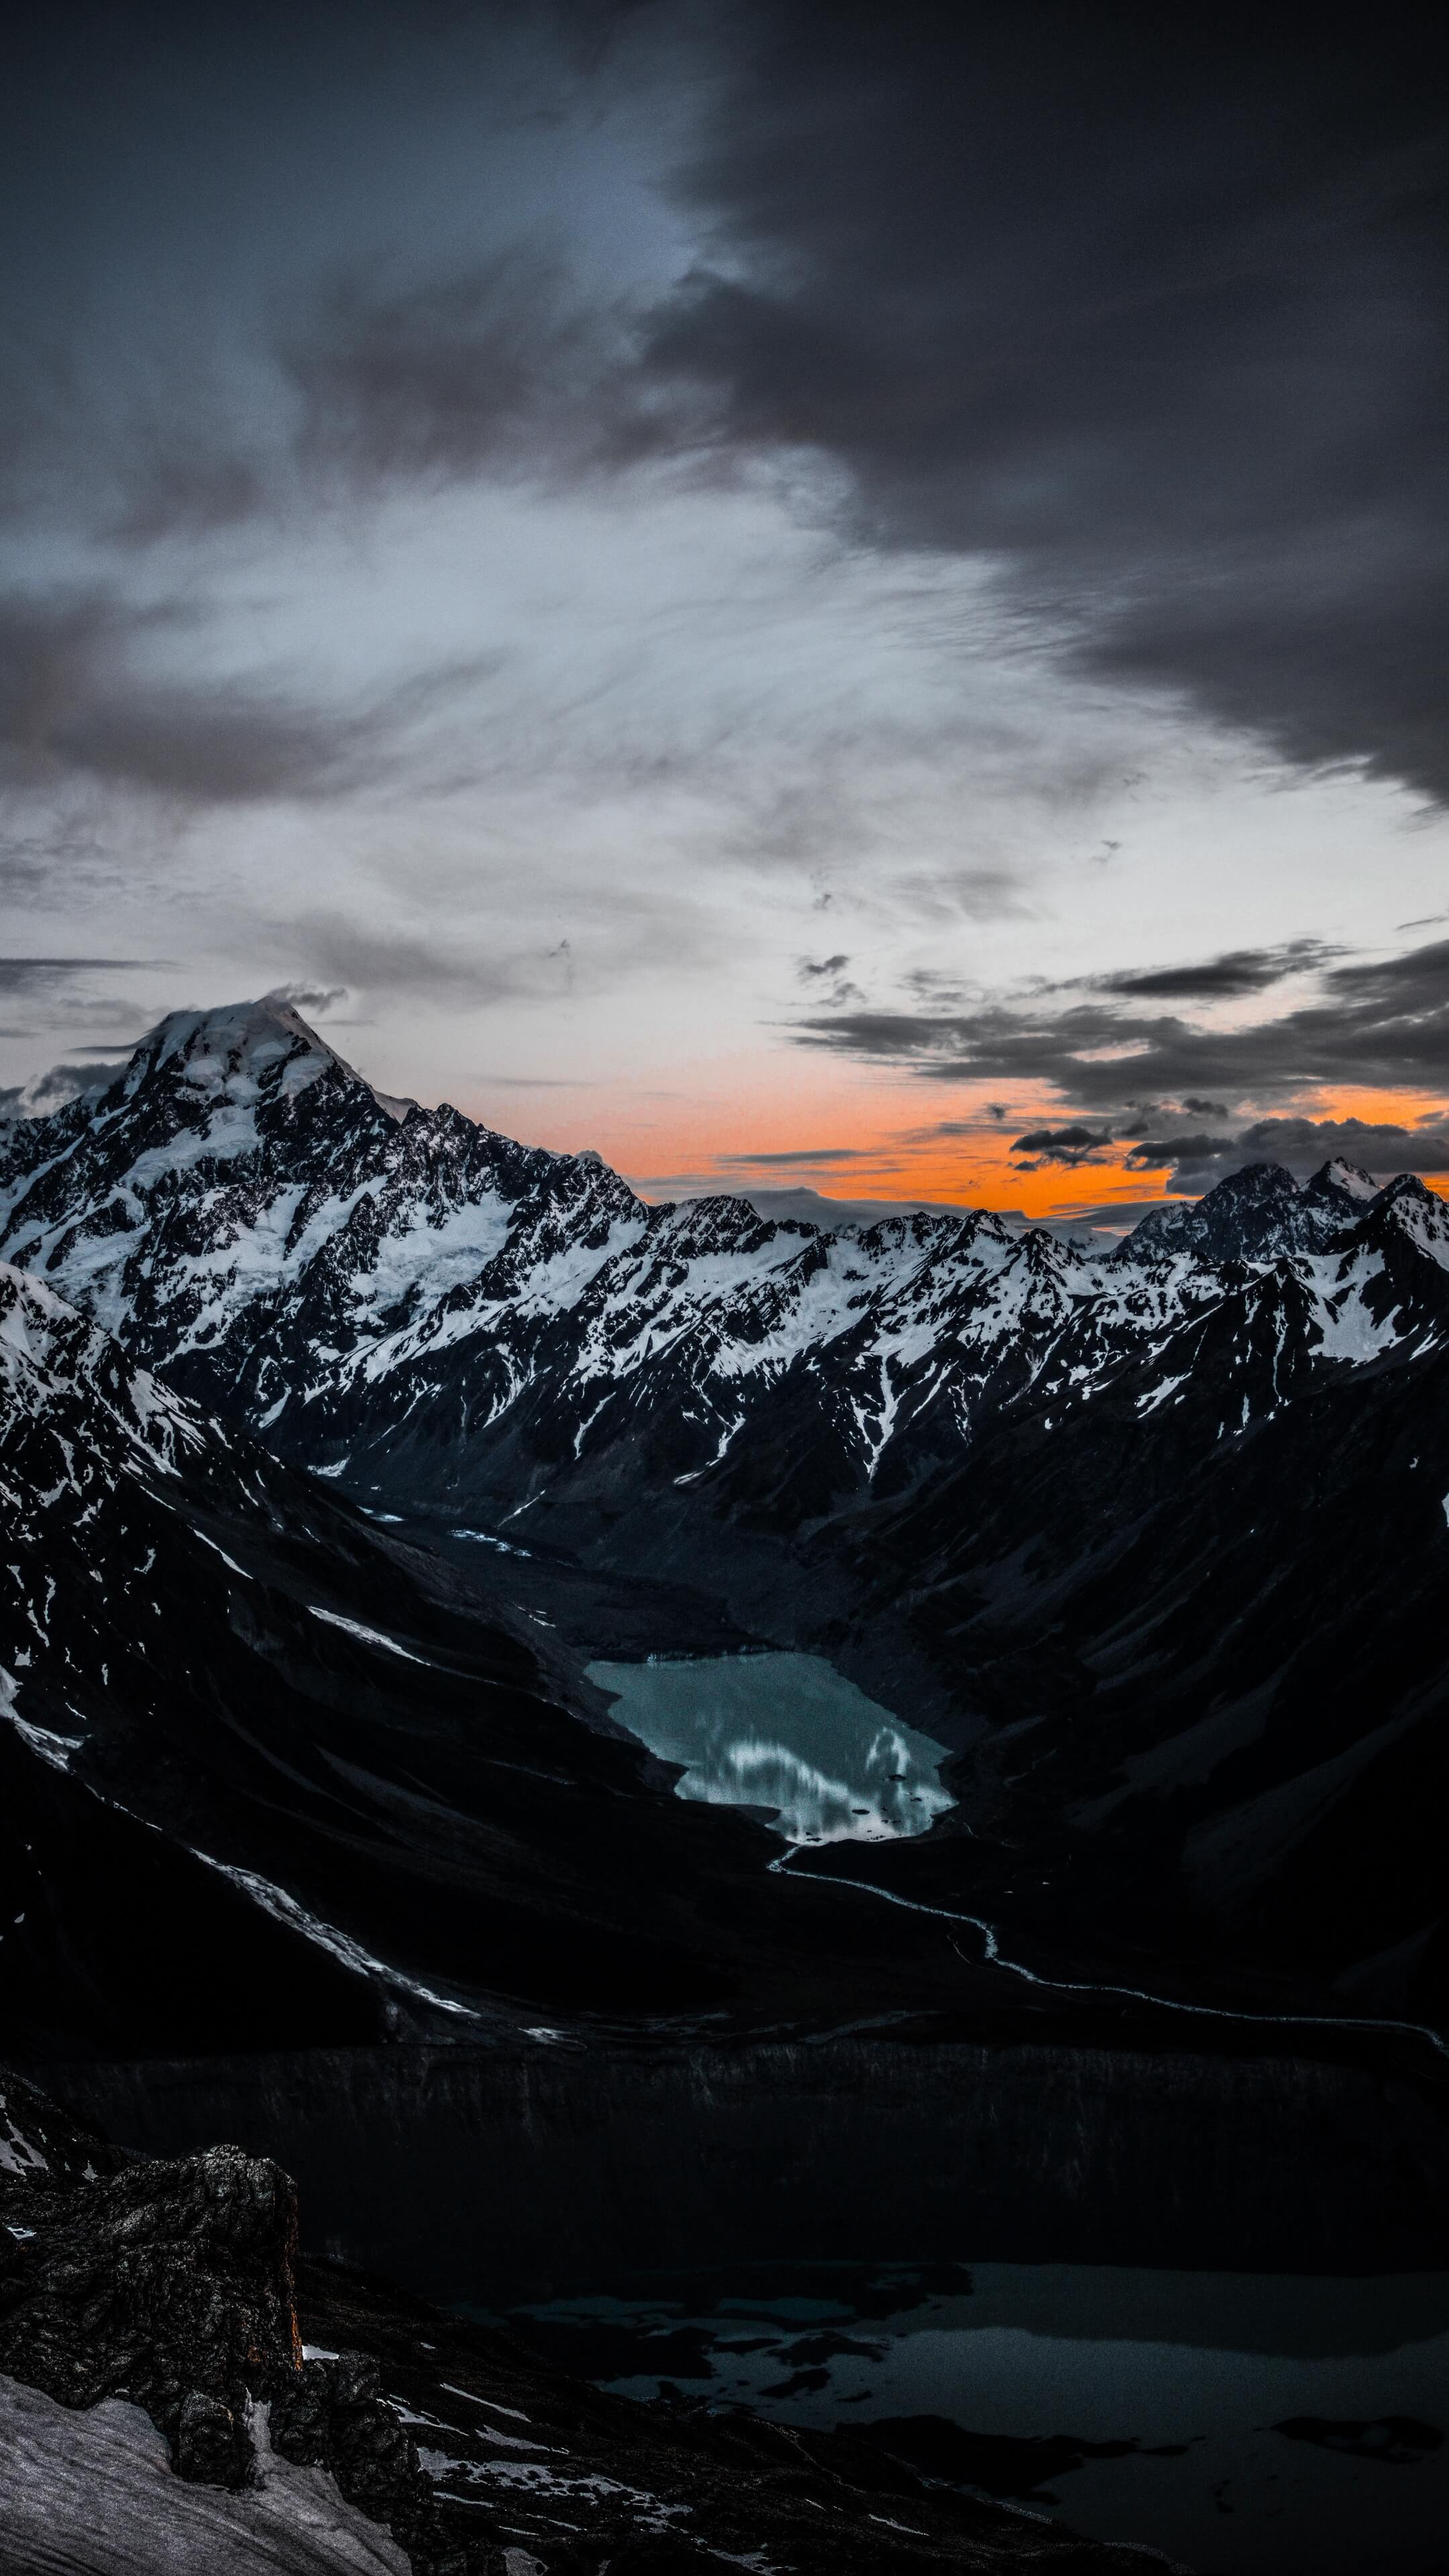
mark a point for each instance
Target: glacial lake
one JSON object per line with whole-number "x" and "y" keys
{"x": 782, "y": 1731}
{"x": 1244, "y": 2424}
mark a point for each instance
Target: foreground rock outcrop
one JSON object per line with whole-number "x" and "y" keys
{"x": 160, "y": 2410}
{"x": 170, "y": 2286}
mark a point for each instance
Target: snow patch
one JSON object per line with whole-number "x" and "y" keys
{"x": 370, "y": 1636}
{"x": 339, "y": 1945}
{"x": 54, "y": 1749}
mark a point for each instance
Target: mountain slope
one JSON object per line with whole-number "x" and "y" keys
{"x": 246, "y": 1209}
{"x": 267, "y": 1778}
{"x": 1207, "y": 1669}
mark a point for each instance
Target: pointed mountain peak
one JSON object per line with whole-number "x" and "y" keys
{"x": 1254, "y": 1186}
{"x": 1251, "y": 1215}
{"x": 724, "y": 1223}
{"x": 1343, "y": 1182}
{"x": 237, "y": 1042}
{"x": 241, "y": 1050}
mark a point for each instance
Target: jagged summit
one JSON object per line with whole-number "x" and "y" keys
{"x": 1259, "y": 1213}
{"x": 405, "y": 1297}
{"x": 246, "y": 1209}
{"x": 239, "y": 1050}
{"x": 235, "y": 1036}
{"x": 1348, "y": 1178}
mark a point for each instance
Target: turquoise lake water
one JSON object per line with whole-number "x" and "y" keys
{"x": 782, "y": 1731}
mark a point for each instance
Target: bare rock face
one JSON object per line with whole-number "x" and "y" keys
{"x": 170, "y": 2284}
{"x": 93, "y": 2490}
{"x": 333, "y": 2415}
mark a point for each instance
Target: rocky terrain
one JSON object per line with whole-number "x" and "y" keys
{"x": 179, "y": 2392}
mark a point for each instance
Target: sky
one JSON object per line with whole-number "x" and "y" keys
{"x": 838, "y": 599}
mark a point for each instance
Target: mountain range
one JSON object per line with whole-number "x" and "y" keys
{"x": 371, "y": 1285}
{"x": 1154, "y": 1540}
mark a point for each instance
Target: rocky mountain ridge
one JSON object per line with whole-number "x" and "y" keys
{"x": 405, "y": 1299}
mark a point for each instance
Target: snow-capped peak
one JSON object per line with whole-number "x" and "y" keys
{"x": 231, "y": 1052}
{"x": 1350, "y": 1178}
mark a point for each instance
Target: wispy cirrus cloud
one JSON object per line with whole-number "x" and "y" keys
{"x": 799, "y": 1155}
{"x": 44, "y": 975}
{"x": 1238, "y": 972}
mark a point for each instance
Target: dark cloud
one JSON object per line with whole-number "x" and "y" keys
{"x": 73, "y": 698}
{"x": 46, "y": 974}
{"x": 247, "y": 244}
{"x": 1301, "y": 1145}
{"x": 817, "y": 973}
{"x": 503, "y": 368}
{"x": 1144, "y": 307}
{"x": 1382, "y": 1023}
{"x": 1239, "y": 970}
{"x": 308, "y": 997}
{"x": 64, "y": 1082}
{"x": 69, "y": 1081}
{"x": 1147, "y": 306}
{"x": 1190, "y": 1155}
{"x": 1376, "y": 1146}
{"x": 1067, "y": 1145}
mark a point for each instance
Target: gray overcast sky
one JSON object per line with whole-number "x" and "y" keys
{"x": 858, "y": 587}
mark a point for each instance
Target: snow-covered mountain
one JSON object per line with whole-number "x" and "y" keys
{"x": 269, "y": 1778}
{"x": 1174, "y": 1513}
{"x": 406, "y": 1299}
{"x": 252, "y": 1215}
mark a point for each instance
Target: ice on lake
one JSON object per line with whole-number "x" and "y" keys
{"x": 782, "y": 1731}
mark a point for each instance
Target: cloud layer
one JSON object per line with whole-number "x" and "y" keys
{"x": 1149, "y": 307}
{"x": 604, "y": 529}
{"x": 1381, "y": 1022}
